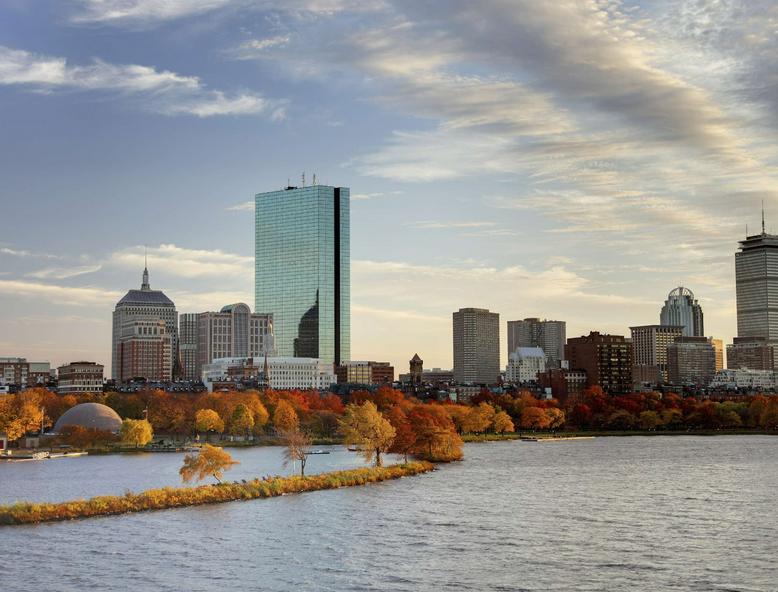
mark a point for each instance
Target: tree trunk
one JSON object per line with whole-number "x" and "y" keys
{"x": 378, "y": 462}
{"x": 302, "y": 467}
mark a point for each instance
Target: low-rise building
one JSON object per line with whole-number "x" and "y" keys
{"x": 745, "y": 379}
{"x": 433, "y": 376}
{"x": 19, "y": 372}
{"x": 565, "y": 385}
{"x": 280, "y": 373}
{"x": 524, "y": 365}
{"x": 80, "y": 377}
{"x": 358, "y": 372}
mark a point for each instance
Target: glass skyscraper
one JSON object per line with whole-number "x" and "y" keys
{"x": 301, "y": 270}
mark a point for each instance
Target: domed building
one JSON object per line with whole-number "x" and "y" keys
{"x": 681, "y": 309}
{"x": 90, "y": 415}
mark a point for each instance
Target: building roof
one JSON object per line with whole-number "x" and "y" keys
{"x": 146, "y": 296}
{"x": 528, "y": 352}
{"x": 90, "y": 415}
{"x": 416, "y": 358}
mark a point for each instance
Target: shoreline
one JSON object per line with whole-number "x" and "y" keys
{"x": 576, "y": 435}
{"x": 178, "y": 497}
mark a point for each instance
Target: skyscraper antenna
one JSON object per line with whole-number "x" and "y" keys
{"x": 763, "y": 217}
{"x": 314, "y": 178}
{"x": 145, "y": 257}
{"x": 303, "y": 178}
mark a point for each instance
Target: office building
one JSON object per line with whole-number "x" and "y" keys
{"x": 278, "y": 373}
{"x": 524, "y": 365}
{"x": 691, "y": 361}
{"x": 143, "y": 351}
{"x": 149, "y": 306}
{"x": 718, "y": 347}
{"x": 606, "y": 359}
{"x": 754, "y": 353}
{"x": 550, "y": 336}
{"x": 187, "y": 346}
{"x": 476, "y": 346}
{"x": 682, "y": 309}
{"x": 80, "y": 377}
{"x": 649, "y": 347}
{"x": 302, "y": 270}
{"x": 756, "y": 280}
{"x": 233, "y": 332}
{"x": 367, "y": 372}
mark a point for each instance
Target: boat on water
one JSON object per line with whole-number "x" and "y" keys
{"x": 319, "y": 452}
{"x": 37, "y": 455}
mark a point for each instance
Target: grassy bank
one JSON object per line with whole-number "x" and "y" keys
{"x": 177, "y": 497}
{"x": 613, "y": 433}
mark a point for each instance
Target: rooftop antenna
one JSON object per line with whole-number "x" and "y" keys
{"x": 314, "y": 178}
{"x": 303, "y": 177}
{"x": 763, "y": 217}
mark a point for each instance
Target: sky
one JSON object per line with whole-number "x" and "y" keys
{"x": 572, "y": 160}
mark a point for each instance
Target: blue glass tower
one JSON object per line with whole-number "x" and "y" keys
{"x": 301, "y": 270}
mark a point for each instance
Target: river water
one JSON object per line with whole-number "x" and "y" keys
{"x": 615, "y": 514}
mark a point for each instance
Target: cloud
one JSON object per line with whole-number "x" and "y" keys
{"x": 160, "y": 91}
{"x": 243, "y": 206}
{"x": 24, "y": 253}
{"x": 366, "y": 196}
{"x": 61, "y": 273}
{"x": 434, "y": 224}
{"x": 75, "y": 296}
{"x": 187, "y": 263}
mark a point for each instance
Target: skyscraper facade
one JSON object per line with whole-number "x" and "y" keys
{"x": 302, "y": 270}
{"x": 691, "y": 361}
{"x": 682, "y": 309}
{"x": 476, "y": 346}
{"x": 144, "y": 305}
{"x": 550, "y": 336}
{"x": 756, "y": 280}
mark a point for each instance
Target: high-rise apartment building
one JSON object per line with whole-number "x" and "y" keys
{"x": 691, "y": 361}
{"x": 302, "y": 270}
{"x": 550, "y": 336}
{"x": 682, "y": 309}
{"x": 649, "y": 347}
{"x": 476, "y": 346}
{"x": 606, "y": 359}
{"x": 144, "y": 305}
{"x": 233, "y": 332}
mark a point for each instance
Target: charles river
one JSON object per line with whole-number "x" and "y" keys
{"x": 639, "y": 513}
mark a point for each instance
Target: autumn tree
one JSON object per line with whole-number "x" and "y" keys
{"x": 136, "y": 432}
{"x": 297, "y": 447}
{"x": 479, "y": 418}
{"x": 649, "y": 420}
{"x": 364, "y": 426}
{"x": 405, "y": 437}
{"x": 285, "y": 418}
{"x": 459, "y": 415}
{"x": 242, "y": 420}
{"x": 21, "y": 413}
{"x": 207, "y": 420}
{"x": 210, "y": 460}
{"x": 556, "y": 417}
{"x": 502, "y": 423}
{"x": 436, "y": 437}
{"x": 534, "y": 418}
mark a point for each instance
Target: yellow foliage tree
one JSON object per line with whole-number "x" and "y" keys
{"x": 364, "y": 426}
{"x": 136, "y": 432}
{"x": 207, "y": 420}
{"x": 20, "y": 413}
{"x": 478, "y": 418}
{"x": 211, "y": 460}
{"x": 502, "y": 423}
{"x": 285, "y": 417}
{"x": 242, "y": 420}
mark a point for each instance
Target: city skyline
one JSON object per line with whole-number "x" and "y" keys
{"x": 582, "y": 206}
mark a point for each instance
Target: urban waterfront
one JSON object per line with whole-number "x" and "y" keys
{"x": 660, "y": 513}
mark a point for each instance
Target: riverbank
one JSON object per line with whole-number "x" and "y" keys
{"x": 610, "y": 433}
{"x": 178, "y": 497}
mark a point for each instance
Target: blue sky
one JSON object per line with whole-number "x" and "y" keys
{"x": 571, "y": 160}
